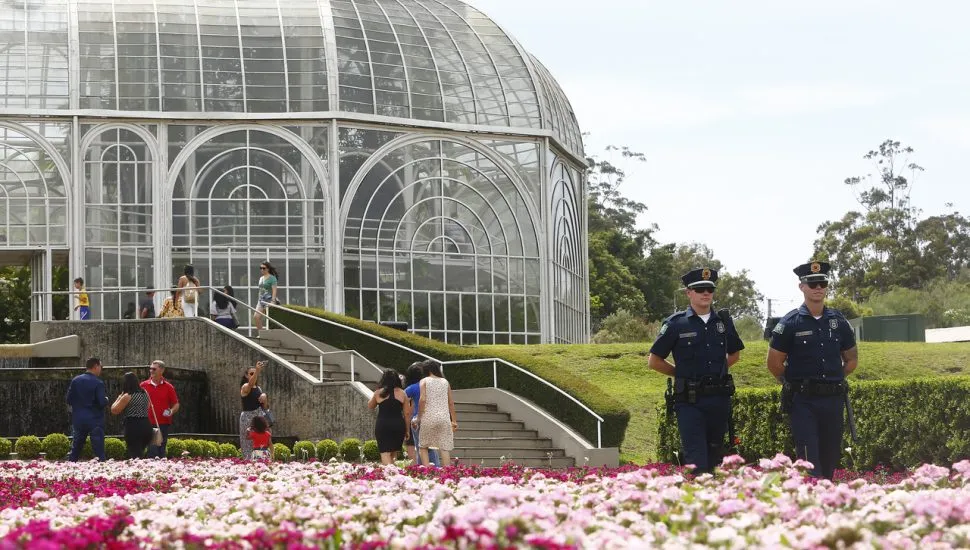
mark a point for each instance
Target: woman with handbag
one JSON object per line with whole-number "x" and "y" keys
{"x": 133, "y": 404}
{"x": 188, "y": 285}
{"x": 253, "y": 401}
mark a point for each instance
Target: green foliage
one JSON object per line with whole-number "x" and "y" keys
{"x": 372, "y": 452}
{"x": 474, "y": 375}
{"x": 327, "y": 449}
{"x": 174, "y": 447}
{"x": 56, "y": 446}
{"x": 304, "y": 450}
{"x": 115, "y": 448}
{"x": 849, "y": 308}
{"x": 888, "y": 245}
{"x": 15, "y": 302}
{"x": 281, "y": 452}
{"x": 228, "y": 450}
{"x": 195, "y": 447}
{"x": 898, "y": 424}
{"x": 942, "y": 303}
{"x": 735, "y": 291}
{"x": 5, "y": 448}
{"x": 350, "y": 449}
{"x": 749, "y": 328}
{"x": 28, "y": 447}
{"x": 211, "y": 449}
{"x": 623, "y": 326}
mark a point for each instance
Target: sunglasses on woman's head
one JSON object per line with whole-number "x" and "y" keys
{"x": 818, "y": 284}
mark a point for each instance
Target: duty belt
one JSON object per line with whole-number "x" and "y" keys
{"x": 820, "y": 388}
{"x": 688, "y": 389}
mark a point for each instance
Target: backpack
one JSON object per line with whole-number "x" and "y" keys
{"x": 190, "y": 294}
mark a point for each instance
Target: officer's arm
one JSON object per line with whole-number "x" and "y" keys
{"x": 776, "y": 363}
{"x": 660, "y": 365}
{"x": 733, "y": 358}
{"x": 781, "y": 341}
{"x": 850, "y": 360}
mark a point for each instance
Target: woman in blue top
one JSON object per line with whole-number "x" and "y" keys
{"x": 268, "y": 279}
{"x": 414, "y": 375}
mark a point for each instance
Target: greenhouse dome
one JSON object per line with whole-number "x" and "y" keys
{"x": 397, "y": 160}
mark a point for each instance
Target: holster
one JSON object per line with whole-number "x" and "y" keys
{"x": 786, "y": 397}
{"x": 669, "y": 396}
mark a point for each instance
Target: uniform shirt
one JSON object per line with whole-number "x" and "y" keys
{"x": 699, "y": 348}
{"x": 87, "y": 398}
{"x": 814, "y": 346}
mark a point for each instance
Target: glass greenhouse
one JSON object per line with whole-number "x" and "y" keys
{"x": 397, "y": 160}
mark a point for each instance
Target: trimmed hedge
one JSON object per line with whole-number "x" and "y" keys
{"x": 115, "y": 449}
{"x": 304, "y": 451}
{"x": 6, "y": 447}
{"x": 174, "y": 447}
{"x": 28, "y": 447}
{"x": 350, "y": 449}
{"x": 228, "y": 450}
{"x": 616, "y": 416}
{"x": 372, "y": 453}
{"x": 281, "y": 452}
{"x": 900, "y": 424}
{"x": 327, "y": 449}
{"x": 56, "y": 446}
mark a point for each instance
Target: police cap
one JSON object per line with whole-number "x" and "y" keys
{"x": 813, "y": 271}
{"x": 701, "y": 277}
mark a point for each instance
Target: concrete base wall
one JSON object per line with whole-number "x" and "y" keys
{"x": 304, "y": 409}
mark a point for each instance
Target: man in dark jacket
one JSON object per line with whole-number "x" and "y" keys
{"x": 87, "y": 399}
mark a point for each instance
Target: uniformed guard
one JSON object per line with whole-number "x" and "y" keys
{"x": 820, "y": 349}
{"x": 704, "y": 344}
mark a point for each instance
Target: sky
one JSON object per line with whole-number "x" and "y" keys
{"x": 752, "y": 114}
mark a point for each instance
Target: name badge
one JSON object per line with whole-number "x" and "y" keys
{"x": 804, "y": 333}
{"x": 687, "y": 334}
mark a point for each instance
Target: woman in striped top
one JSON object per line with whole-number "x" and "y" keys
{"x": 133, "y": 405}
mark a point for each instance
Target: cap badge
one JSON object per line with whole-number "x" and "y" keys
{"x": 706, "y": 274}
{"x": 816, "y": 267}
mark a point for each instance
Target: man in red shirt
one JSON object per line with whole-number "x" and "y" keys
{"x": 164, "y": 401}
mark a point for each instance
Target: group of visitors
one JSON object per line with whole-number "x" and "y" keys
{"x": 185, "y": 296}
{"x": 421, "y": 415}
{"x": 146, "y": 408}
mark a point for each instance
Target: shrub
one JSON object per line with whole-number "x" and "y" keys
{"x": 210, "y": 449}
{"x": 174, "y": 448}
{"x": 898, "y": 424}
{"x": 372, "y": 452}
{"x": 56, "y": 446}
{"x": 473, "y": 375}
{"x": 304, "y": 450}
{"x": 115, "y": 448}
{"x": 28, "y": 447}
{"x": 281, "y": 452}
{"x": 327, "y": 449}
{"x": 195, "y": 448}
{"x": 350, "y": 449}
{"x": 228, "y": 450}
{"x": 623, "y": 327}
{"x": 5, "y": 448}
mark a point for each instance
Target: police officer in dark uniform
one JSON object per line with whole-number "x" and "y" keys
{"x": 819, "y": 347}
{"x": 704, "y": 345}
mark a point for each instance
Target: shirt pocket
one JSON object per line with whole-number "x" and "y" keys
{"x": 807, "y": 344}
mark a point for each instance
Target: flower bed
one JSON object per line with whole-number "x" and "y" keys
{"x": 228, "y": 504}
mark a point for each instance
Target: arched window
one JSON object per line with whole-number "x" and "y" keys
{"x": 438, "y": 236}
{"x": 33, "y": 202}
{"x": 245, "y": 197}
{"x": 118, "y": 219}
{"x": 569, "y": 267}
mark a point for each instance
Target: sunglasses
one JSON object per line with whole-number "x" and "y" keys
{"x": 818, "y": 284}
{"x": 263, "y": 267}
{"x": 704, "y": 290}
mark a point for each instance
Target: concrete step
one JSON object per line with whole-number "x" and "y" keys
{"x": 482, "y": 417}
{"x": 476, "y": 453}
{"x": 474, "y": 407}
{"x": 265, "y": 342}
{"x": 471, "y": 424}
{"x": 281, "y": 350}
{"x": 478, "y": 434}
{"x": 504, "y": 442}
{"x": 562, "y": 462}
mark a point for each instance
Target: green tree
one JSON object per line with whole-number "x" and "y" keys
{"x": 735, "y": 291}
{"x": 886, "y": 244}
{"x": 15, "y": 302}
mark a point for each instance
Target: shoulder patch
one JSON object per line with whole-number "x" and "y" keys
{"x": 779, "y": 328}
{"x": 663, "y": 329}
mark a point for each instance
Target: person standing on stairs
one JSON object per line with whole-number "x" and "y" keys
{"x": 189, "y": 292}
{"x": 393, "y": 410}
{"x": 268, "y": 281}
{"x": 253, "y": 401}
{"x": 437, "y": 419}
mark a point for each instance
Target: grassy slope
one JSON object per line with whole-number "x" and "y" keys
{"x": 621, "y": 370}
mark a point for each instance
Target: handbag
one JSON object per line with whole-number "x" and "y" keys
{"x": 156, "y": 440}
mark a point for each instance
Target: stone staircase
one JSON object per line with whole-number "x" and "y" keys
{"x": 486, "y": 436}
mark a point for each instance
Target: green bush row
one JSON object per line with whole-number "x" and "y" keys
{"x": 900, "y": 424}
{"x": 476, "y": 375}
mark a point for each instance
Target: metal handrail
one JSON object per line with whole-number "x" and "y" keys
{"x": 493, "y": 360}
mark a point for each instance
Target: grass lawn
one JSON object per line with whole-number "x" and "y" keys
{"x": 621, "y": 370}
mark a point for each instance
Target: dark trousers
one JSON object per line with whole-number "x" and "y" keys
{"x": 159, "y": 452}
{"x": 817, "y": 426}
{"x": 82, "y": 429}
{"x": 702, "y": 428}
{"x": 138, "y": 434}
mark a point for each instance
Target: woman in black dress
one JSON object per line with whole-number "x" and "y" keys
{"x": 392, "y": 408}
